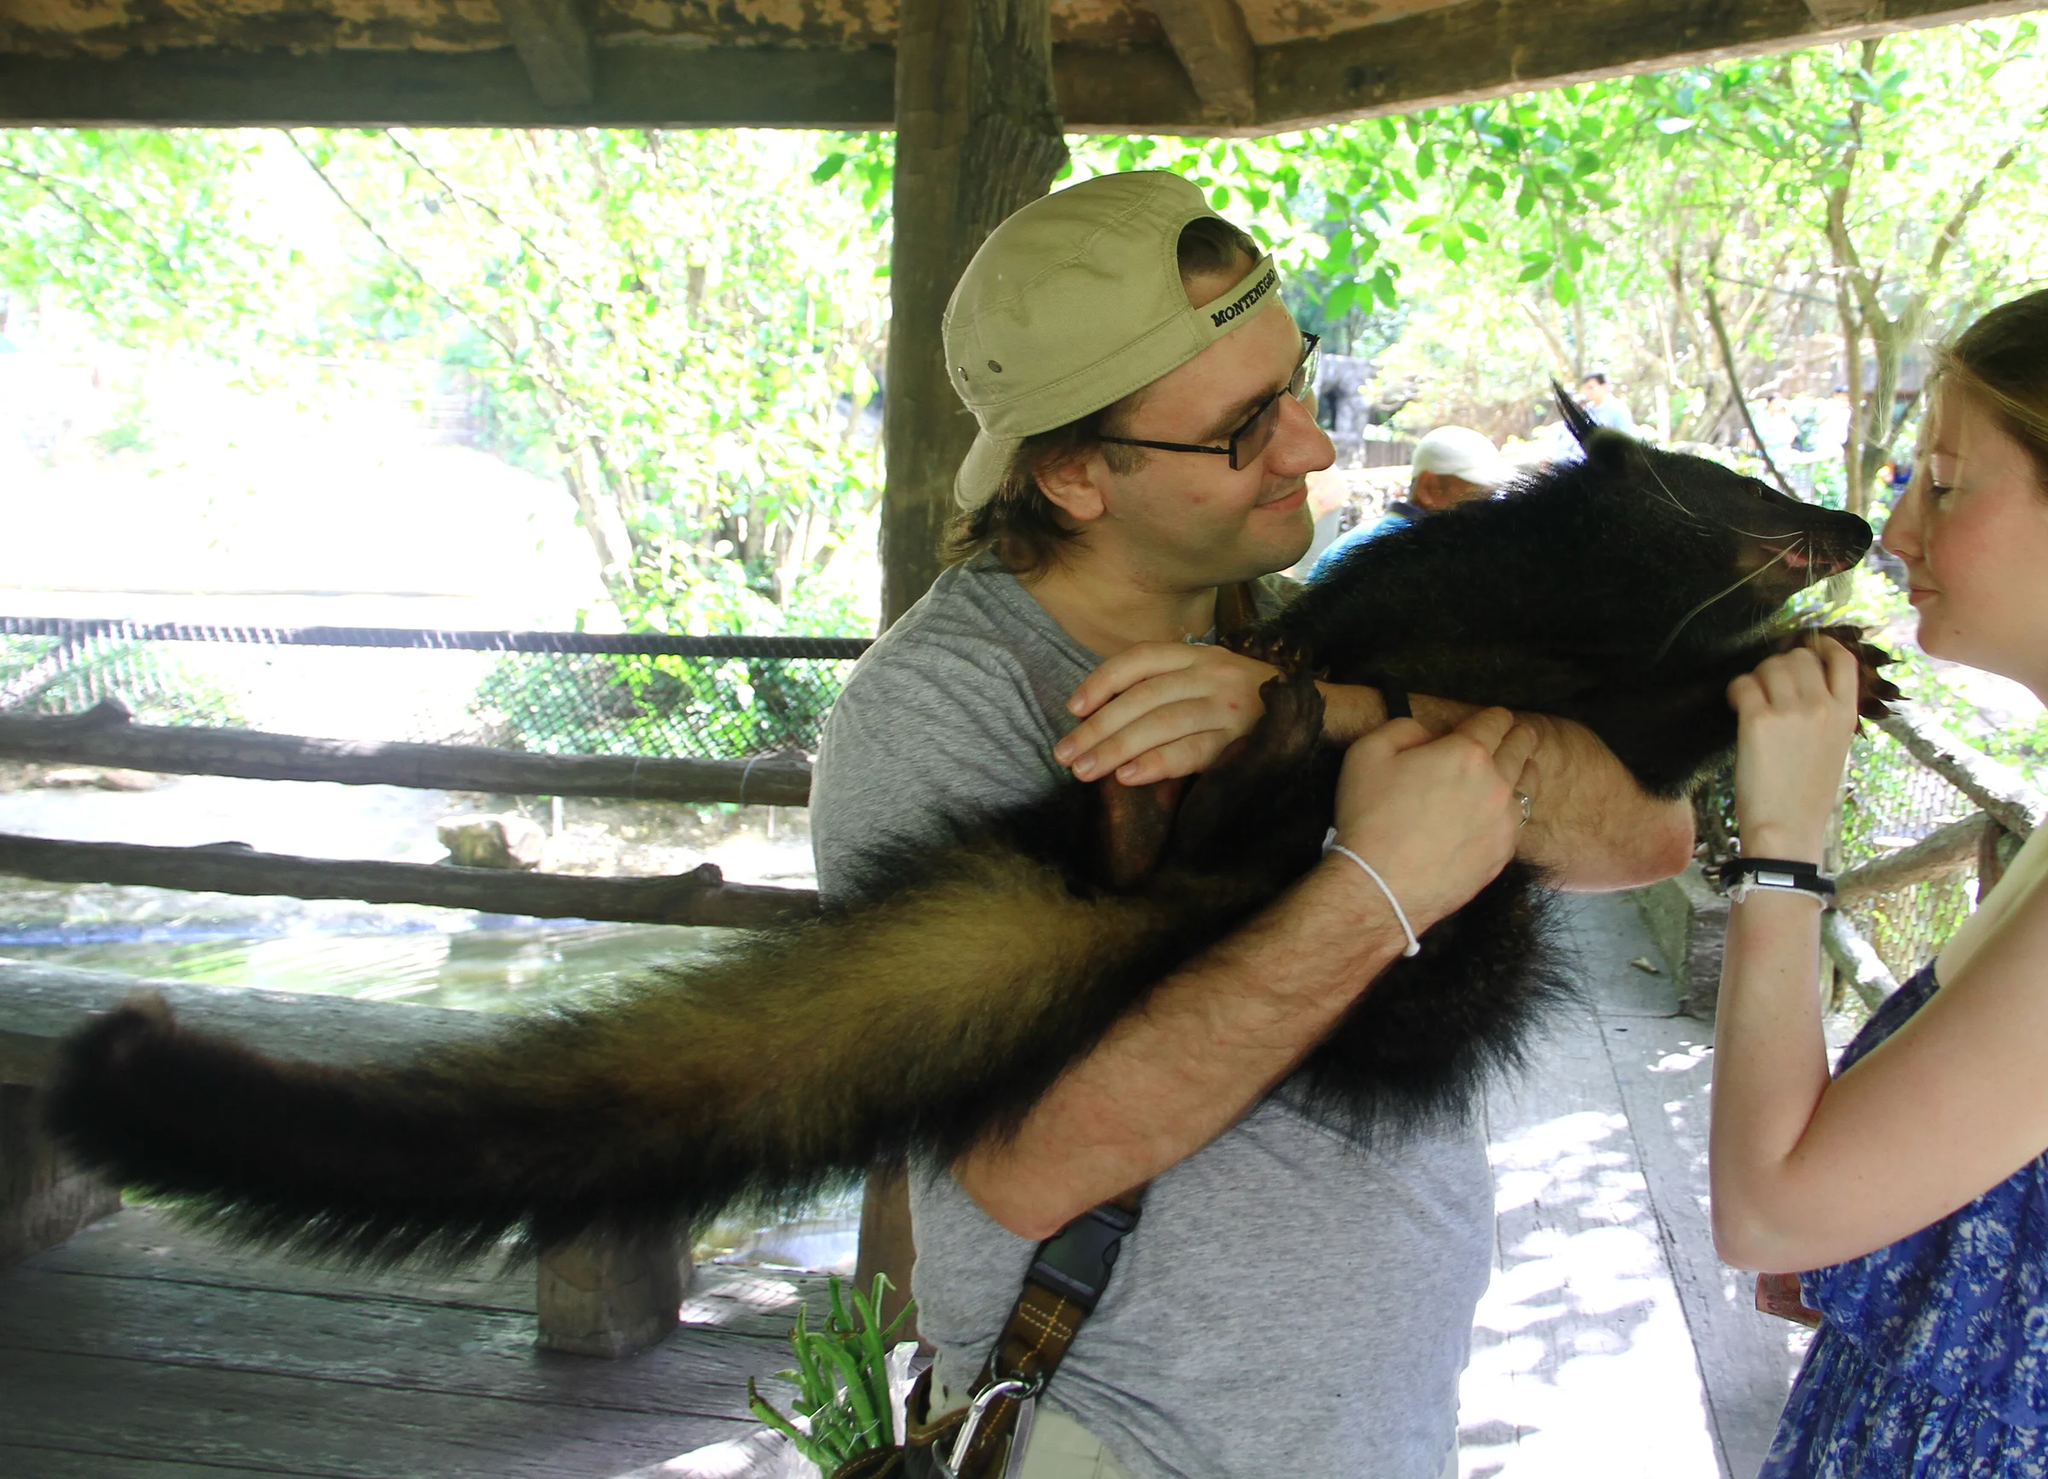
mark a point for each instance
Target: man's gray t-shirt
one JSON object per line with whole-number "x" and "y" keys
{"x": 1290, "y": 1304}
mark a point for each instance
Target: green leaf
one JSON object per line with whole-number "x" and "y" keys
{"x": 829, "y": 166}
{"x": 1564, "y": 288}
{"x": 1534, "y": 265}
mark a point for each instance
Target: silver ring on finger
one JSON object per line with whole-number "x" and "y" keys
{"x": 1527, "y": 807}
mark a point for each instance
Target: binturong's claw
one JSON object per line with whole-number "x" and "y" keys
{"x": 1875, "y": 693}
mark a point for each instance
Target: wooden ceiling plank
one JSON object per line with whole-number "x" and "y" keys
{"x": 1488, "y": 48}
{"x": 554, "y": 44}
{"x": 1215, "y": 46}
{"x": 1485, "y": 48}
{"x": 644, "y": 87}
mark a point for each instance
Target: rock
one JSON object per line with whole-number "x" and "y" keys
{"x": 85, "y": 777}
{"x": 492, "y": 840}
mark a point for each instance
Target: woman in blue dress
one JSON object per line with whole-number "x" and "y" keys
{"x": 1911, "y": 1188}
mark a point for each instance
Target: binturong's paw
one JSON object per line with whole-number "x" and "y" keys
{"x": 1875, "y": 693}
{"x": 1241, "y": 788}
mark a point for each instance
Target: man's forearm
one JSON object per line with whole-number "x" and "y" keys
{"x": 1208, "y": 1044}
{"x": 1590, "y": 825}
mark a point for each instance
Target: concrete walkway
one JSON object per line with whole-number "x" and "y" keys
{"x": 1612, "y": 1342}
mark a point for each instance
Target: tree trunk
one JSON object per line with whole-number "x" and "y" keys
{"x": 977, "y": 136}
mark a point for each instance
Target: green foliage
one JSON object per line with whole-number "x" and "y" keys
{"x": 842, "y": 1381}
{"x": 596, "y": 704}
{"x": 146, "y": 230}
{"x": 684, "y": 326}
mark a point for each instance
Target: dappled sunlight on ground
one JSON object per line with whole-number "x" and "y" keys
{"x": 1581, "y": 1362}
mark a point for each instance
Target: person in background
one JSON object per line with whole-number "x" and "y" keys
{"x": 1831, "y": 426}
{"x": 1604, "y": 406}
{"x": 1452, "y": 465}
{"x": 1911, "y": 1187}
{"x": 1775, "y": 428}
{"x": 1329, "y": 499}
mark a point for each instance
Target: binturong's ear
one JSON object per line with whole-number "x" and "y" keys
{"x": 1581, "y": 425}
{"x": 1617, "y": 454}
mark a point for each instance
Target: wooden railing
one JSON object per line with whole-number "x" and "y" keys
{"x": 2009, "y": 808}
{"x": 593, "y": 1297}
{"x": 106, "y": 736}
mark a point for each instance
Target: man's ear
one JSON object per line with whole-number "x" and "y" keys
{"x": 1074, "y": 485}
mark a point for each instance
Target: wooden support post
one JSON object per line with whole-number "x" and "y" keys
{"x": 1213, "y": 43}
{"x": 977, "y": 136}
{"x": 554, "y": 46}
{"x": 602, "y": 1297}
{"x": 43, "y": 1198}
{"x": 886, "y": 1245}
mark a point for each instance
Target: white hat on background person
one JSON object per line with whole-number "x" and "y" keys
{"x": 1460, "y": 452}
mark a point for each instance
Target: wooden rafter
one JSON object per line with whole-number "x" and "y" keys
{"x": 554, "y": 46}
{"x": 1214, "y": 45}
{"x": 1483, "y": 48}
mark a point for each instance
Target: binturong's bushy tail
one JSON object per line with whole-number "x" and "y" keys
{"x": 795, "y": 1058}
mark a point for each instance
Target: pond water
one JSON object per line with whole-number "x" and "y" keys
{"x": 475, "y": 963}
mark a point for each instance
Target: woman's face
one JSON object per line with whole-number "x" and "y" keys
{"x": 1972, "y": 530}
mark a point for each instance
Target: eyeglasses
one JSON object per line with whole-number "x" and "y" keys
{"x": 1251, "y": 438}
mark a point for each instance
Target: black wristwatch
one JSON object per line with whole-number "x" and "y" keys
{"x": 1774, "y": 875}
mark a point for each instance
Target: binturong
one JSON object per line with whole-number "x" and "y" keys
{"x": 1624, "y": 590}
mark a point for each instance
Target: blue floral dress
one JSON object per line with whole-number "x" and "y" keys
{"x": 1933, "y": 1361}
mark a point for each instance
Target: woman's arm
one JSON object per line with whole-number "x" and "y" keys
{"x": 1805, "y": 1171}
{"x": 1163, "y": 709}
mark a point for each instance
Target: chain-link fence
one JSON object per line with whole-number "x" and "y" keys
{"x": 1893, "y": 801}
{"x": 544, "y": 692}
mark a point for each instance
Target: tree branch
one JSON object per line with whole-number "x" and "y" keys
{"x": 1735, "y": 379}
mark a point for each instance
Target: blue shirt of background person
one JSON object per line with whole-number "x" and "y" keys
{"x": 1606, "y": 408}
{"x": 1452, "y": 465}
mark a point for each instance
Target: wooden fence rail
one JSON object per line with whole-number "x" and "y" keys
{"x": 2002, "y": 791}
{"x": 699, "y": 897}
{"x": 105, "y": 735}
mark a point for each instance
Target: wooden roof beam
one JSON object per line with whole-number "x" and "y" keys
{"x": 554, "y": 46}
{"x": 1489, "y": 48}
{"x": 1480, "y": 49}
{"x": 1214, "y": 45}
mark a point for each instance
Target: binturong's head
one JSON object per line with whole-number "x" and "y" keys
{"x": 1733, "y": 548}
{"x": 1141, "y": 393}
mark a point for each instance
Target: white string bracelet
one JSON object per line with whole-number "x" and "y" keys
{"x": 1414, "y": 946}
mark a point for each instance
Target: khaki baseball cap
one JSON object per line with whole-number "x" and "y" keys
{"x": 1074, "y": 302}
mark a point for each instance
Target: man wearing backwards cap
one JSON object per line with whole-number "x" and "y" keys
{"x": 1450, "y": 466}
{"x": 1290, "y": 1304}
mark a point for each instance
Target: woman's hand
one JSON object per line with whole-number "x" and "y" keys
{"x": 1436, "y": 818}
{"x": 1796, "y": 714}
{"x": 1162, "y": 709}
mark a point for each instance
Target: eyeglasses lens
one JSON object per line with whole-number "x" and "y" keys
{"x": 1252, "y": 437}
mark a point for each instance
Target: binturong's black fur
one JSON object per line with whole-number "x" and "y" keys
{"x": 1623, "y": 591}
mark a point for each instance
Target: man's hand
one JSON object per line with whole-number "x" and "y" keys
{"x": 1162, "y": 709}
{"x": 1436, "y": 817}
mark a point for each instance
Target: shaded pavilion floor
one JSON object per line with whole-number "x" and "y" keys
{"x": 1611, "y": 1344}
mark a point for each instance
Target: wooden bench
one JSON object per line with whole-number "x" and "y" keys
{"x": 599, "y": 1299}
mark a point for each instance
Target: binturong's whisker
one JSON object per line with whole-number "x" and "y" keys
{"x": 1728, "y": 590}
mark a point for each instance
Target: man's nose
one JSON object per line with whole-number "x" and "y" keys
{"x": 1299, "y": 445}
